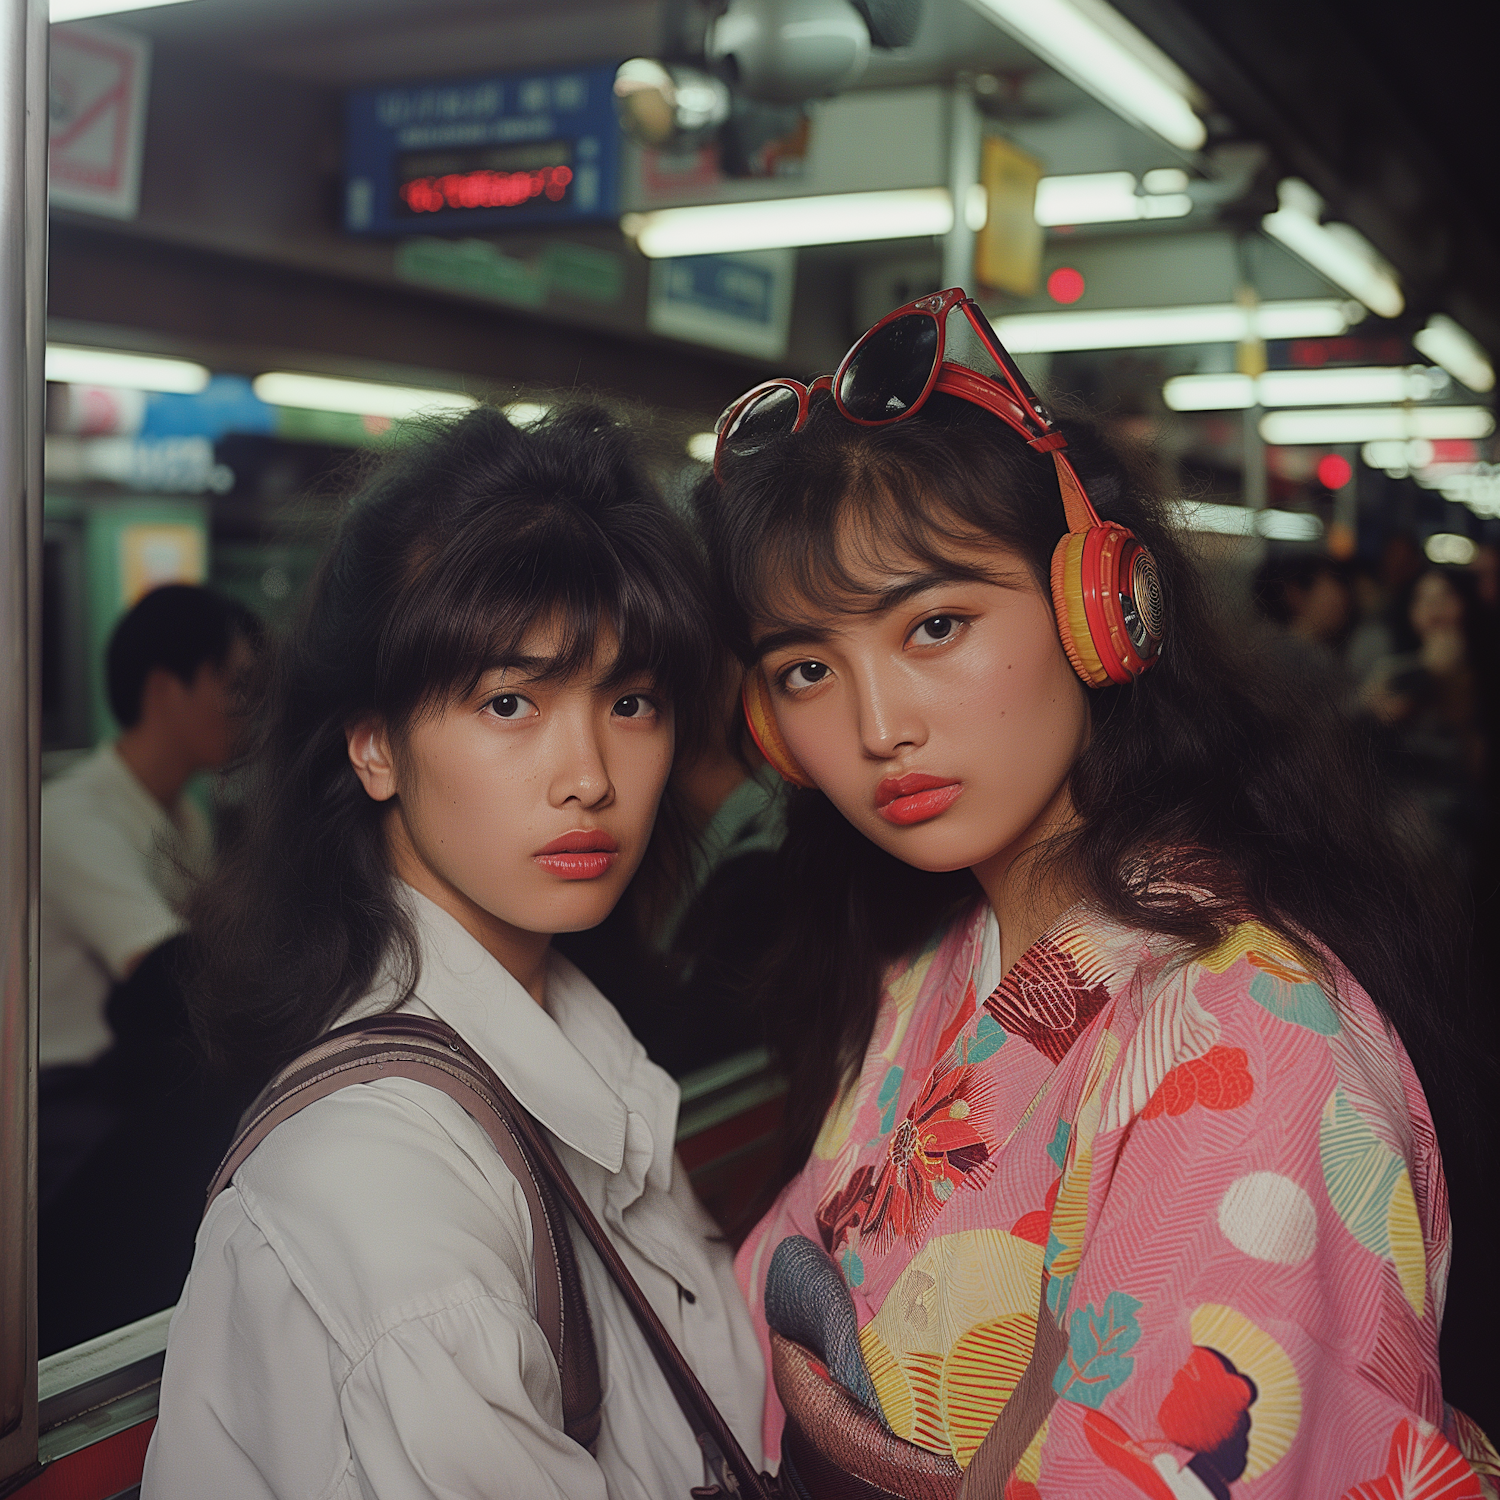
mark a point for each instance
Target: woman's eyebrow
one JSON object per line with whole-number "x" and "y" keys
{"x": 893, "y": 596}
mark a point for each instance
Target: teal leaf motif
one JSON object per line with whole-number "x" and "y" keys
{"x": 989, "y": 1038}
{"x": 1096, "y": 1361}
{"x": 1302, "y": 1004}
{"x": 1057, "y": 1147}
{"x": 886, "y": 1100}
{"x": 854, "y": 1267}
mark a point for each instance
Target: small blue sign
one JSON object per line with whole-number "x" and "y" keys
{"x": 477, "y": 154}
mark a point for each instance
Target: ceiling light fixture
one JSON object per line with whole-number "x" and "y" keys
{"x": 1348, "y": 387}
{"x": 79, "y": 10}
{"x": 1091, "y": 43}
{"x": 702, "y": 446}
{"x": 75, "y": 365}
{"x": 526, "y": 413}
{"x": 1166, "y": 327}
{"x": 1445, "y": 343}
{"x": 1336, "y": 251}
{"x": 360, "y": 398}
{"x": 1237, "y": 520}
{"x": 1374, "y": 424}
{"x": 785, "y": 223}
{"x": 1104, "y": 198}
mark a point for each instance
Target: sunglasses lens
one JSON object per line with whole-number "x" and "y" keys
{"x": 890, "y": 369}
{"x": 770, "y": 415}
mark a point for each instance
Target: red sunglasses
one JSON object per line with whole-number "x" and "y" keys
{"x": 889, "y": 374}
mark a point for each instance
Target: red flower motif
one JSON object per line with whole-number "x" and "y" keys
{"x": 945, "y": 1139}
{"x": 1220, "y": 1079}
{"x": 1205, "y": 1403}
{"x": 1035, "y": 1225}
{"x": 1045, "y": 1000}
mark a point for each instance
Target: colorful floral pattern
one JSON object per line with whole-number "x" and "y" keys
{"x": 1219, "y": 1176}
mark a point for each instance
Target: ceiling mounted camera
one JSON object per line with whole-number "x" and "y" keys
{"x": 669, "y": 104}
{"x": 789, "y": 51}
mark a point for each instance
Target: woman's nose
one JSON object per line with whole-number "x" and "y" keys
{"x": 580, "y": 774}
{"x": 889, "y": 718}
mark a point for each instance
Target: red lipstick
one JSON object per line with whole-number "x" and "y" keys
{"x": 583, "y": 854}
{"x": 915, "y": 797}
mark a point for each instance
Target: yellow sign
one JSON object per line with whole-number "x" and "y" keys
{"x": 1008, "y": 250}
{"x": 154, "y": 553}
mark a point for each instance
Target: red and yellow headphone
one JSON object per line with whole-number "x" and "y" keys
{"x": 1106, "y": 594}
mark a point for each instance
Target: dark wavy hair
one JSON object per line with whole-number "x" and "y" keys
{"x": 1205, "y": 773}
{"x": 451, "y": 550}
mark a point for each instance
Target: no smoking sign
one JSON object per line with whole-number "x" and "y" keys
{"x": 96, "y": 119}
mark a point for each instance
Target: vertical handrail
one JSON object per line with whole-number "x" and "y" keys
{"x": 23, "y": 231}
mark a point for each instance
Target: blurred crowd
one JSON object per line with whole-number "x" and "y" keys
{"x": 1411, "y": 649}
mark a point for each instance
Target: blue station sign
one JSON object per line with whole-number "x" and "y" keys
{"x": 479, "y": 154}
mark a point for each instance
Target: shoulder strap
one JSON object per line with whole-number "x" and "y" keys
{"x": 430, "y": 1052}
{"x": 731, "y": 1466}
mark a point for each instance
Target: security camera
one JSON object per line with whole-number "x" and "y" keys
{"x": 788, "y": 51}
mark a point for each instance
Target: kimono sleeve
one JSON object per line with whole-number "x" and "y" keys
{"x": 1250, "y": 1243}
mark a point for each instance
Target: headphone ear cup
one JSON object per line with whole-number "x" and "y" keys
{"x": 755, "y": 696}
{"x": 1070, "y": 611}
{"x": 1106, "y": 596}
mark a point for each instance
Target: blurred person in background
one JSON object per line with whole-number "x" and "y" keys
{"x": 124, "y": 1129}
{"x": 1308, "y": 602}
{"x": 122, "y": 842}
{"x": 1433, "y": 701}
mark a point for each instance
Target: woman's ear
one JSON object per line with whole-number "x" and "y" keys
{"x": 370, "y": 755}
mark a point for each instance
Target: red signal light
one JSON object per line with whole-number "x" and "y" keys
{"x": 1065, "y": 285}
{"x": 1334, "y": 471}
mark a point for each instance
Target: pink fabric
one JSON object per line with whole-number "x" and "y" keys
{"x": 1227, "y": 1172}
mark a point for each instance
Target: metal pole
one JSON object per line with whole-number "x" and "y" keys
{"x": 23, "y": 240}
{"x": 964, "y": 142}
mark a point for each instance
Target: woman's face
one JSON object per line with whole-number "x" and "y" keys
{"x": 943, "y": 720}
{"x": 1435, "y": 606}
{"x": 525, "y": 808}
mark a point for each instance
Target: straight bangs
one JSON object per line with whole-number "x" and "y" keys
{"x": 554, "y": 589}
{"x": 816, "y": 514}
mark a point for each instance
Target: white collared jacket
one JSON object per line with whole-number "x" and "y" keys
{"x": 359, "y": 1319}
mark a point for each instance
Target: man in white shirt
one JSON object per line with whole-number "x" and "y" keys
{"x": 122, "y": 845}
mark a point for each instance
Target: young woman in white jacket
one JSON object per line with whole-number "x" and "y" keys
{"x": 464, "y": 749}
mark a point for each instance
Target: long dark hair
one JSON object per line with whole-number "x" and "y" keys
{"x": 450, "y": 551}
{"x": 1267, "y": 797}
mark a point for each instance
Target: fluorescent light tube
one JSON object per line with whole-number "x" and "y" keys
{"x": 783, "y": 223}
{"x": 360, "y": 398}
{"x": 1102, "y": 53}
{"x": 74, "y": 365}
{"x": 1375, "y": 424}
{"x": 1336, "y": 251}
{"x": 1103, "y": 198}
{"x": 1163, "y": 327}
{"x": 1445, "y": 343}
{"x": 78, "y": 10}
{"x": 526, "y": 413}
{"x": 1237, "y": 520}
{"x": 1450, "y": 547}
{"x": 1227, "y": 392}
{"x": 1347, "y": 387}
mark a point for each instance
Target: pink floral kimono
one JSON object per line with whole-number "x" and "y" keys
{"x": 1228, "y": 1177}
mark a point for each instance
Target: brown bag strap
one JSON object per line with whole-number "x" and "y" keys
{"x": 430, "y": 1052}
{"x": 729, "y": 1463}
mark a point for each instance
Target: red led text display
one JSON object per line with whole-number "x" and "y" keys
{"x": 485, "y": 189}
{"x": 531, "y": 175}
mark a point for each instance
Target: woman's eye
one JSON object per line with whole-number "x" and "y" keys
{"x": 936, "y": 628}
{"x": 511, "y": 706}
{"x": 634, "y": 706}
{"x": 803, "y": 674}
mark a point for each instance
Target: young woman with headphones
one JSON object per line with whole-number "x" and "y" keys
{"x": 1098, "y": 973}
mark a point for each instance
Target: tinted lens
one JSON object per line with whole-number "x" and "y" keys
{"x": 889, "y": 371}
{"x": 770, "y": 415}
